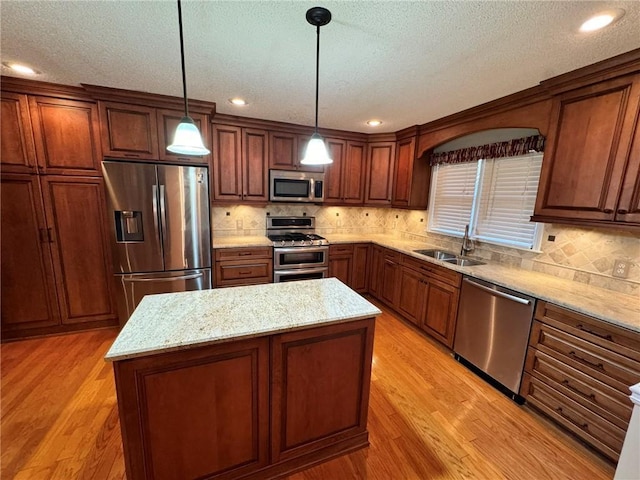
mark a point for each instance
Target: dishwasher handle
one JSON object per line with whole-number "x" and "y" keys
{"x": 498, "y": 293}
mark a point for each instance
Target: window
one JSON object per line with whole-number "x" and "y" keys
{"x": 495, "y": 197}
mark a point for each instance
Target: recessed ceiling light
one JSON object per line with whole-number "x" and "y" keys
{"x": 601, "y": 20}
{"x": 374, "y": 123}
{"x": 16, "y": 67}
{"x": 238, "y": 101}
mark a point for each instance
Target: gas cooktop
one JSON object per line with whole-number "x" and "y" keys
{"x": 293, "y": 232}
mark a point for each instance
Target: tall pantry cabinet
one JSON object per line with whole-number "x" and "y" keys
{"x": 56, "y": 268}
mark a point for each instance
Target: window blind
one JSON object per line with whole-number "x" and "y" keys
{"x": 452, "y": 194}
{"x": 507, "y": 195}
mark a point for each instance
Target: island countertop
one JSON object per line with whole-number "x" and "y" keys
{"x": 177, "y": 321}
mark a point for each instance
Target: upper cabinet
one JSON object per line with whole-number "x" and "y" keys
{"x": 344, "y": 178}
{"x": 412, "y": 176}
{"x": 380, "y": 162}
{"x": 141, "y": 132}
{"x": 590, "y": 172}
{"x": 286, "y": 149}
{"x": 18, "y": 149}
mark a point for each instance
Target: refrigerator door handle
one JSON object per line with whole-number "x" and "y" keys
{"x": 154, "y": 194}
{"x": 163, "y": 210}
{"x": 166, "y": 279}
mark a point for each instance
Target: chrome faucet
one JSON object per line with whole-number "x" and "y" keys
{"x": 467, "y": 243}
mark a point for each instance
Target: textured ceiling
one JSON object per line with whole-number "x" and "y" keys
{"x": 404, "y": 62}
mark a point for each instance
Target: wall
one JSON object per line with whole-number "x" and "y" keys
{"x": 581, "y": 254}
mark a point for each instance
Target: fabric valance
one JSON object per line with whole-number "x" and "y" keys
{"x": 511, "y": 148}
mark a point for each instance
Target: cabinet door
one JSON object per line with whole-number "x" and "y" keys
{"x": 227, "y": 163}
{"x": 377, "y": 257}
{"x": 340, "y": 266}
{"x": 629, "y": 206}
{"x": 129, "y": 131}
{"x": 380, "y": 161}
{"x": 255, "y": 173}
{"x": 360, "y": 268}
{"x": 168, "y": 121}
{"x": 283, "y": 150}
{"x": 588, "y": 147}
{"x": 405, "y": 153}
{"x": 75, "y": 210}
{"x": 390, "y": 280}
{"x": 353, "y": 173}
{"x": 413, "y": 289}
{"x": 18, "y": 153}
{"x": 441, "y": 312}
{"x": 334, "y": 174}
{"x": 66, "y": 135}
{"x": 28, "y": 288}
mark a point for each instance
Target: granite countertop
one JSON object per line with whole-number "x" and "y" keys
{"x": 176, "y": 321}
{"x": 606, "y": 305}
{"x": 246, "y": 241}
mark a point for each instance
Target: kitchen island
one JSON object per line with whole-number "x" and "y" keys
{"x": 245, "y": 382}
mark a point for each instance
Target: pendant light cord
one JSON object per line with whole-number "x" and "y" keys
{"x": 184, "y": 75}
{"x": 317, "y": 72}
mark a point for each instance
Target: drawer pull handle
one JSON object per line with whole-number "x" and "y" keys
{"x": 573, "y": 355}
{"x": 243, "y": 254}
{"x": 590, "y": 396}
{"x": 246, "y": 272}
{"x": 583, "y": 426}
{"x": 604, "y": 336}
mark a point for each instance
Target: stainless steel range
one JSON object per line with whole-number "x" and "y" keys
{"x": 298, "y": 253}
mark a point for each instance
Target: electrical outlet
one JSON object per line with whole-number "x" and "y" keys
{"x": 620, "y": 268}
{"x": 239, "y": 224}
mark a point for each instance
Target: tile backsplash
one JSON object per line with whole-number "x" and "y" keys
{"x": 581, "y": 254}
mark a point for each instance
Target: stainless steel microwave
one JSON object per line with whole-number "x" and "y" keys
{"x": 290, "y": 186}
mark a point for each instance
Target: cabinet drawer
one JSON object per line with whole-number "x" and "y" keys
{"x": 598, "y": 397}
{"x": 249, "y": 272}
{"x": 609, "y": 367}
{"x": 450, "y": 276}
{"x": 341, "y": 249}
{"x": 222, "y": 254}
{"x": 595, "y": 430}
{"x": 596, "y": 331}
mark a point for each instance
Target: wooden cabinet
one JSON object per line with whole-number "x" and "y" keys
{"x": 390, "y": 276}
{"x": 142, "y": 132}
{"x": 18, "y": 153}
{"x": 66, "y": 135}
{"x": 54, "y": 253}
{"x": 286, "y": 149}
{"x": 412, "y": 177}
{"x": 375, "y": 269}
{"x": 590, "y": 170}
{"x": 341, "y": 262}
{"x": 429, "y": 297}
{"x": 380, "y": 167}
{"x": 239, "y": 164}
{"x": 243, "y": 266}
{"x": 360, "y": 267}
{"x": 345, "y": 178}
{"x": 578, "y": 370}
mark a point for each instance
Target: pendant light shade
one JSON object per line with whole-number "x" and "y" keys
{"x": 187, "y": 139}
{"x": 316, "y": 153}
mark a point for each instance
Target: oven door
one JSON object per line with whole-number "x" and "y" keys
{"x": 300, "y": 257}
{"x": 299, "y": 274}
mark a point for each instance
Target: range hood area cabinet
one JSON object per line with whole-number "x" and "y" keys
{"x": 591, "y": 169}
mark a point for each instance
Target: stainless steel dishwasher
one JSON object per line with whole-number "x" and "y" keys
{"x": 492, "y": 332}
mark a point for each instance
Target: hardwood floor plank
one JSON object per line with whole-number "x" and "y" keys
{"x": 429, "y": 418}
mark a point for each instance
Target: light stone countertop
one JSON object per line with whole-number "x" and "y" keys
{"x": 177, "y": 321}
{"x": 606, "y": 305}
{"x": 246, "y": 241}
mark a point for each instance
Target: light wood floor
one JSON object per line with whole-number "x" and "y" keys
{"x": 429, "y": 418}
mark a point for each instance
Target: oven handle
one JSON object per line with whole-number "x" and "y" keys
{"x": 303, "y": 249}
{"x": 298, "y": 271}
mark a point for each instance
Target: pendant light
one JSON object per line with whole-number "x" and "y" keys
{"x": 316, "y": 153}
{"x": 187, "y": 139}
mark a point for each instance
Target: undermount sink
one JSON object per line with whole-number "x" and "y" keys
{"x": 464, "y": 262}
{"x": 450, "y": 257}
{"x": 437, "y": 254}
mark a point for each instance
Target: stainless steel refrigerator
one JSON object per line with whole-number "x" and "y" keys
{"x": 160, "y": 228}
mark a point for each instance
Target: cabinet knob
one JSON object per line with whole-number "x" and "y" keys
{"x": 622, "y": 211}
{"x": 608, "y": 210}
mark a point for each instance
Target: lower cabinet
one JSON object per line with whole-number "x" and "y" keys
{"x": 578, "y": 371}
{"x": 243, "y": 266}
{"x": 251, "y": 409}
{"x": 349, "y": 263}
{"x": 56, "y": 269}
